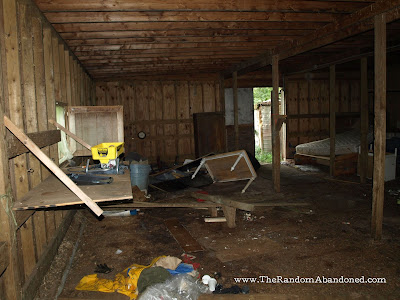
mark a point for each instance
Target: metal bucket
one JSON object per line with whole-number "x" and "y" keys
{"x": 140, "y": 176}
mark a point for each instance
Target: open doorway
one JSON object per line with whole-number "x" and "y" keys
{"x": 262, "y": 123}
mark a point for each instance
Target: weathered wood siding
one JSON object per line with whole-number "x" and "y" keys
{"x": 36, "y": 71}
{"x": 312, "y": 97}
{"x": 163, "y": 110}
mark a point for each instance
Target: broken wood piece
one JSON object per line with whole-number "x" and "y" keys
{"x": 52, "y": 166}
{"x": 215, "y": 220}
{"x": 182, "y": 236}
{"x": 230, "y": 215}
{"x": 69, "y": 133}
{"x": 138, "y": 204}
{"x": 224, "y": 201}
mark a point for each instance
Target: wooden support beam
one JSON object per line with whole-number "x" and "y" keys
{"x": 276, "y": 149}
{"x": 364, "y": 120}
{"x": 74, "y": 136}
{"x": 41, "y": 139}
{"x": 52, "y": 166}
{"x": 380, "y": 127}
{"x": 332, "y": 117}
{"x": 222, "y": 103}
{"x": 224, "y": 201}
{"x": 230, "y": 215}
{"x": 236, "y": 110}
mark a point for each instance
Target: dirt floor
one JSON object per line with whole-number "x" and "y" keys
{"x": 330, "y": 238}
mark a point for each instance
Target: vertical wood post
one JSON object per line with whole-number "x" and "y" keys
{"x": 276, "y": 158}
{"x": 332, "y": 117}
{"x": 380, "y": 126}
{"x": 364, "y": 120}
{"x": 222, "y": 102}
{"x": 235, "y": 109}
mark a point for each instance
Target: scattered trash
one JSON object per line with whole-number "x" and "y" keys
{"x": 183, "y": 287}
{"x": 235, "y": 289}
{"x": 248, "y": 217}
{"x": 211, "y": 282}
{"x": 119, "y": 251}
{"x": 103, "y": 268}
{"x": 346, "y": 223}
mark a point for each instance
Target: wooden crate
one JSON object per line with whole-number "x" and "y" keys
{"x": 95, "y": 125}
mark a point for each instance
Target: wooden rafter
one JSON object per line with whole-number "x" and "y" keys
{"x": 353, "y": 24}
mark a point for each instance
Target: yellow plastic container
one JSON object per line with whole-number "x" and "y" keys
{"x": 105, "y": 152}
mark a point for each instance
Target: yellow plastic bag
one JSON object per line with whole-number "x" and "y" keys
{"x": 124, "y": 282}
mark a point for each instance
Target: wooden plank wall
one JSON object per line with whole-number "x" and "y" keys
{"x": 37, "y": 70}
{"x": 163, "y": 110}
{"x": 312, "y": 97}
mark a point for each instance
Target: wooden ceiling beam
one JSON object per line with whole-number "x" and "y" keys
{"x": 169, "y": 66}
{"x": 185, "y": 16}
{"x": 182, "y": 51}
{"x": 136, "y": 63}
{"x": 157, "y": 57}
{"x": 141, "y": 71}
{"x": 232, "y": 45}
{"x": 182, "y": 33}
{"x": 268, "y": 40}
{"x": 234, "y": 5}
{"x": 177, "y": 59}
{"x": 168, "y": 26}
{"x": 340, "y": 29}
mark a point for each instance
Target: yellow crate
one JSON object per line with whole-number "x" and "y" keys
{"x": 104, "y": 152}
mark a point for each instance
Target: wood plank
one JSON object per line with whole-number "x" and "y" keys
{"x": 78, "y": 28}
{"x": 193, "y": 5}
{"x": 332, "y": 117}
{"x": 165, "y": 16}
{"x": 52, "y": 166}
{"x": 53, "y": 193}
{"x": 276, "y": 151}
{"x": 4, "y": 258}
{"x": 41, "y": 139}
{"x": 10, "y": 278}
{"x": 74, "y": 136}
{"x": 364, "y": 119}
{"x": 378, "y": 187}
{"x": 235, "y": 109}
{"x": 112, "y": 32}
{"x": 223, "y": 200}
{"x": 33, "y": 282}
{"x": 28, "y": 247}
{"x": 182, "y": 236}
{"x": 39, "y": 221}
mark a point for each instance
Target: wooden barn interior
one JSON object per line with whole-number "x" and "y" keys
{"x": 173, "y": 80}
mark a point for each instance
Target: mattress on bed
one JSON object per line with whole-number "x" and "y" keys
{"x": 345, "y": 143}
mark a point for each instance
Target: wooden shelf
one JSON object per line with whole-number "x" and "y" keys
{"x": 53, "y": 193}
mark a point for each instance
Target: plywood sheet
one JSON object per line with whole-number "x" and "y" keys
{"x": 182, "y": 236}
{"x": 53, "y": 193}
